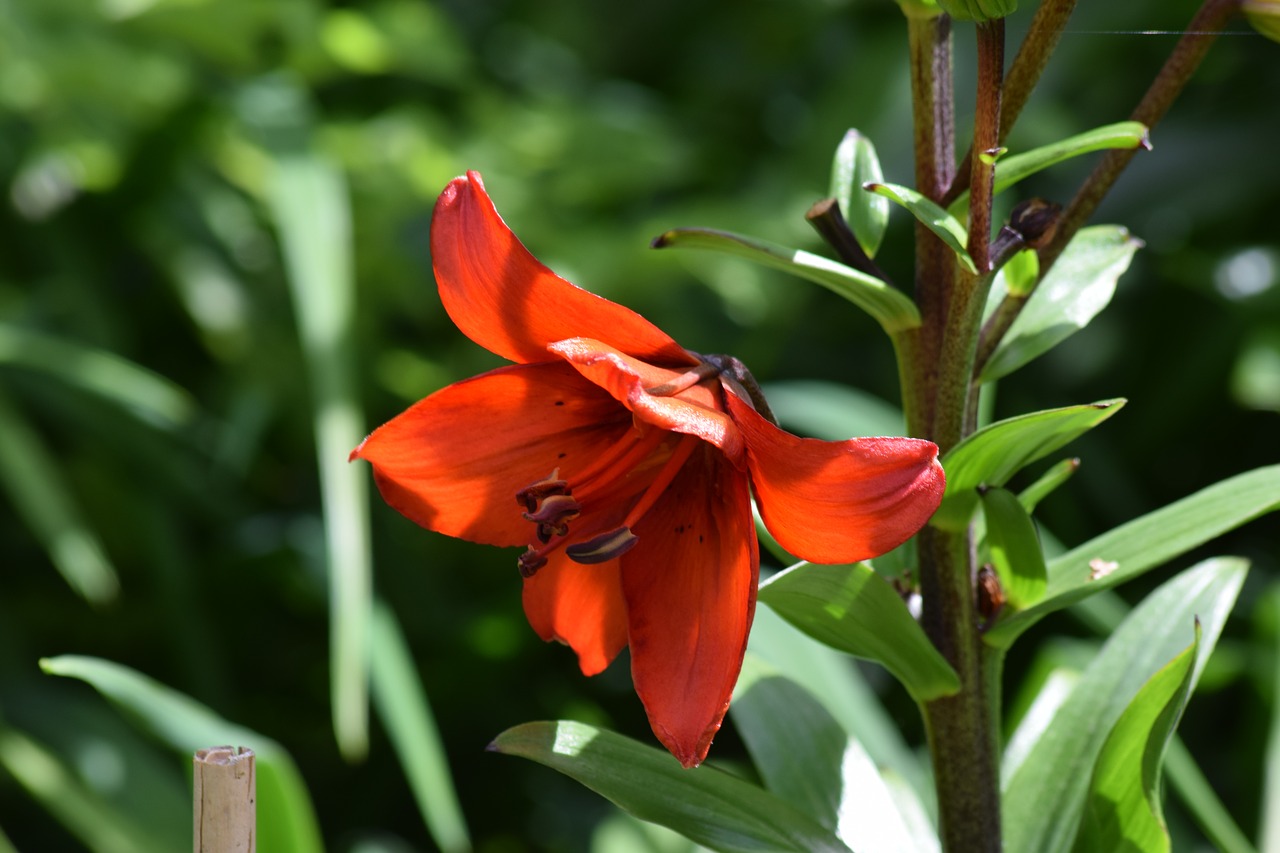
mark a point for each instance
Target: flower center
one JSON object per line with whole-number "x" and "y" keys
{"x": 551, "y": 503}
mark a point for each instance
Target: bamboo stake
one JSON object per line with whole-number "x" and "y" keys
{"x": 225, "y": 801}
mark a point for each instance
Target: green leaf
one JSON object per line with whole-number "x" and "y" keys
{"x": 1075, "y": 290}
{"x": 145, "y": 393}
{"x": 31, "y": 475}
{"x": 1123, "y": 809}
{"x": 1015, "y": 167}
{"x": 856, "y": 164}
{"x": 835, "y": 680}
{"x": 996, "y": 452}
{"x": 1019, "y": 274}
{"x": 401, "y": 702}
{"x": 1045, "y": 795}
{"x": 309, "y": 203}
{"x": 286, "y": 819}
{"x": 1047, "y": 483}
{"x": 813, "y": 763}
{"x": 940, "y": 222}
{"x": 891, "y": 308}
{"x": 62, "y": 793}
{"x": 1132, "y": 548}
{"x": 1270, "y": 831}
{"x": 706, "y": 805}
{"x": 1014, "y": 547}
{"x": 853, "y": 609}
{"x": 830, "y": 410}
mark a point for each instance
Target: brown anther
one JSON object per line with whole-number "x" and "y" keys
{"x": 602, "y": 548}
{"x": 546, "y": 532}
{"x": 555, "y": 509}
{"x": 531, "y": 495}
{"x": 529, "y": 563}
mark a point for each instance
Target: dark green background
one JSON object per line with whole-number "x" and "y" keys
{"x": 130, "y": 171}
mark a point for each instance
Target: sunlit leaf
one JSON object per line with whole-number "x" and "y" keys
{"x": 853, "y": 609}
{"x": 834, "y": 680}
{"x": 1014, "y": 548}
{"x": 996, "y": 452}
{"x": 1076, "y": 289}
{"x": 1045, "y": 795}
{"x": 1132, "y": 548}
{"x": 855, "y": 164}
{"x": 813, "y": 763}
{"x": 401, "y": 703}
{"x": 286, "y": 819}
{"x": 1015, "y": 167}
{"x": 706, "y": 805}
{"x": 948, "y": 228}
{"x": 891, "y": 308}
{"x": 1123, "y": 808}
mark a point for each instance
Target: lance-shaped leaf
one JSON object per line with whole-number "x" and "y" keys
{"x": 1016, "y": 167}
{"x": 1015, "y": 548}
{"x": 996, "y": 452}
{"x": 891, "y": 308}
{"x": 1045, "y": 796}
{"x": 707, "y": 805}
{"x": 1075, "y": 291}
{"x": 948, "y": 228}
{"x": 1146, "y": 542}
{"x": 855, "y": 164}
{"x": 1123, "y": 808}
{"x": 835, "y": 681}
{"x": 815, "y": 765}
{"x": 286, "y": 819}
{"x": 853, "y": 609}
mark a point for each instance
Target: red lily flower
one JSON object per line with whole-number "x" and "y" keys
{"x": 625, "y": 463}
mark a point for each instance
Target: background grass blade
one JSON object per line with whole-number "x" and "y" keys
{"x": 286, "y": 819}
{"x": 308, "y": 200}
{"x": 402, "y": 706}
{"x": 39, "y": 492}
{"x": 56, "y": 788}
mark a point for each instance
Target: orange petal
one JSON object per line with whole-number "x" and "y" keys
{"x": 454, "y": 462}
{"x": 690, "y": 587}
{"x": 695, "y": 411}
{"x": 839, "y": 501}
{"x": 504, "y": 299}
{"x": 581, "y": 606}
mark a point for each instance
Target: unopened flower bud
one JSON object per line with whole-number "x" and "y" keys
{"x": 978, "y": 10}
{"x": 1264, "y": 15}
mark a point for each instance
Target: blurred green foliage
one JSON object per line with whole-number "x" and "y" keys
{"x": 161, "y": 500}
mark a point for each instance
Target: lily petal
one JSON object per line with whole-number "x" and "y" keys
{"x": 839, "y": 501}
{"x": 580, "y": 606}
{"x": 504, "y": 299}
{"x": 454, "y": 462}
{"x": 695, "y": 411}
{"x": 690, "y": 588}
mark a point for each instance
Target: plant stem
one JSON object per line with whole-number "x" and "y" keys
{"x": 1024, "y": 72}
{"x": 934, "y": 143}
{"x": 1201, "y": 33}
{"x": 936, "y": 362}
{"x": 986, "y": 138}
{"x": 961, "y": 728}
